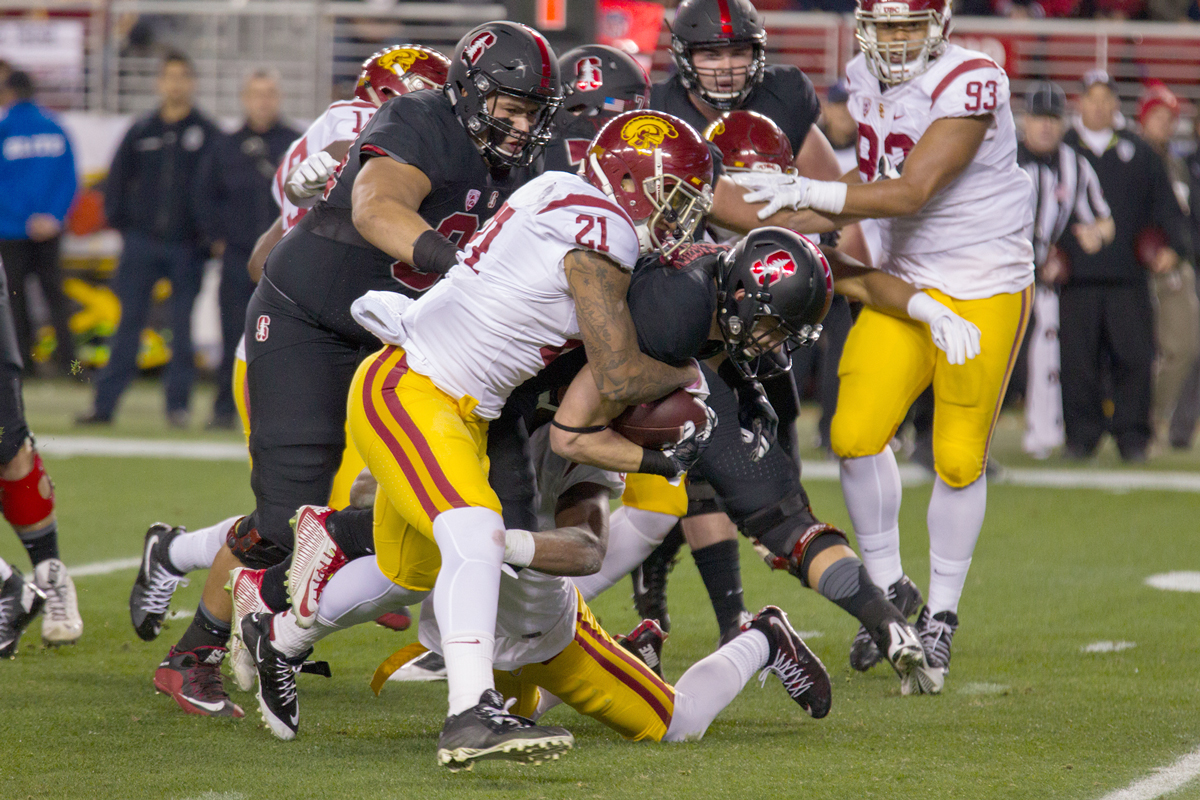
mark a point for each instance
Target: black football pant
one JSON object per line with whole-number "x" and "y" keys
{"x": 13, "y": 429}
{"x": 22, "y": 258}
{"x": 1106, "y": 325}
{"x": 234, "y": 295}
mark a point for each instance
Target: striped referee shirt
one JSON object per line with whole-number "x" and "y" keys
{"x": 1065, "y": 190}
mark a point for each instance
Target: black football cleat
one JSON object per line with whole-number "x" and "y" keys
{"x": 936, "y": 632}
{"x": 156, "y": 582}
{"x": 650, "y": 580}
{"x": 487, "y": 731}
{"x": 801, "y": 672}
{"x": 20, "y": 603}
{"x": 277, "y": 699}
{"x": 906, "y": 597}
{"x": 193, "y": 679}
{"x": 646, "y": 642}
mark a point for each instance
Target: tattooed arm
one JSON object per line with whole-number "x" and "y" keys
{"x": 623, "y": 373}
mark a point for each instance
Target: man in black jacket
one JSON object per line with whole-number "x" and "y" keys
{"x": 148, "y": 197}
{"x": 1105, "y": 309}
{"x": 235, "y": 206}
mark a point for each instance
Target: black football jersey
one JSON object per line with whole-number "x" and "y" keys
{"x": 786, "y": 96}
{"x": 420, "y": 129}
{"x": 566, "y": 154}
{"x": 672, "y": 306}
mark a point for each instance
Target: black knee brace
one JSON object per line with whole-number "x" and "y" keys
{"x": 791, "y": 534}
{"x": 251, "y": 549}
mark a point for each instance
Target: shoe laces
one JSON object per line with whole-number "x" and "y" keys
{"x": 500, "y": 717}
{"x": 60, "y": 599}
{"x": 283, "y": 678}
{"x": 795, "y": 678}
{"x": 161, "y": 585}
{"x": 205, "y": 679}
{"x": 935, "y": 636}
{"x": 325, "y": 572}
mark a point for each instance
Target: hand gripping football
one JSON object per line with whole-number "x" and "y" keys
{"x": 663, "y": 422}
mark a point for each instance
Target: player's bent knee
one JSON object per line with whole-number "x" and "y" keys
{"x": 959, "y": 467}
{"x": 851, "y": 439}
{"x": 30, "y": 499}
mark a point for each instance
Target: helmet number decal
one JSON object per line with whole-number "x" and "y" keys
{"x": 982, "y": 96}
{"x": 594, "y": 233}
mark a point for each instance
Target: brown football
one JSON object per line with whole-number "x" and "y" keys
{"x": 660, "y": 423}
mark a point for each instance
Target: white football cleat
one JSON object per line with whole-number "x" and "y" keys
{"x": 315, "y": 558}
{"x": 245, "y": 585}
{"x": 61, "y": 623}
{"x": 426, "y": 667}
{"x": 907, "y": 657}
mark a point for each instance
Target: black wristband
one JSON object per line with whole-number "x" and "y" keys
{"x": 433, "y": 252}
{"x": 656, "y": 462}
{"x": 569, "y": 429}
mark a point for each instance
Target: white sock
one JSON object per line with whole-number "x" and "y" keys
{"x": 197, "y": 549}
{"x": 359, "y": 592}
{"x": 713, "y": 682}
{"x": 632, "y": 536}
{"x": 546, "y": 701}
{"x": 465, "y": 599}
{"x": 5, "y": 570}
{"x": 290, "y": 639}
{"x": 871, "y": 488}
{"x": 955, "y": 518}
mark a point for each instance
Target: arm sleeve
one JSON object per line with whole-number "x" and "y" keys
{"x": 115, "y": 184}
{"x": 391, "y": 135}
{"x": 975, "y": 87}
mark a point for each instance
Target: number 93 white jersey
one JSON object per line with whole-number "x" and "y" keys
{"x": 972, "y": 239}
{"x": 505, "y": 310}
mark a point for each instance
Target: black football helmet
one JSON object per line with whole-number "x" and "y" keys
{"x": 509, "y": 59}
{"x": 599, "y": 82}
{"x": 718, "y": 23}
{"x": 785, "y": 287}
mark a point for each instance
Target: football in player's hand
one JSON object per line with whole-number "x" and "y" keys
{"x": 660, "y": 423}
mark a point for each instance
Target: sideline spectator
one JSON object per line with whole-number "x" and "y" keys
{"x": 148, "y": 197}
{"x": 1105, "y": 309}
{"x": 1065, "y": 191}
{"x": 37, "y": 185}
{"x": 1177, "y": 323}
{"x": 1187, "y": 411}
{"x": 235, "y": 206}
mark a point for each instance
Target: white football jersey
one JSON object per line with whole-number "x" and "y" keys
{"x": 504, "y": 311}
{"x": 535, "y": 618}
{"x": 972, "y": 239}
{"x": 341, "y": 122}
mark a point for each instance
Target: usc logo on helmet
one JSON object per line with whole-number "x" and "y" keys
{"x": 645, "y": 134}
{"x": 715, "y": 130}
{"x": 400, "y": 60}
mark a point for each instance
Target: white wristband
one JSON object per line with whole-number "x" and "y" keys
{"x": 924, "y": 308}
{"x": 518, "y": 547}
{"x": 827, "y": 196}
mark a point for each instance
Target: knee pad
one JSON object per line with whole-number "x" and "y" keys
{"x": 702, "y": 498}
{"x": 28, "y": 500}
{"x": 958, "y": 466}
{"x": 791, "y": 536}
{"x": 251, "y": 549}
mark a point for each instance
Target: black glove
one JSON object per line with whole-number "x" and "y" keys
{"x": 671, "y": 462}
{"x": 758, "y": 421}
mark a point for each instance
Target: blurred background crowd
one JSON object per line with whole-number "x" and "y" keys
{"x": 138, "y": 149}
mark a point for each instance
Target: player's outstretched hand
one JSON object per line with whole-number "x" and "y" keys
{"x": 687, "y": 452}
{"x": 309, "y": 178}
{"x": 758, "y": 420}
{"x": 953, "y": 335}
{"x": 776, "y": 189}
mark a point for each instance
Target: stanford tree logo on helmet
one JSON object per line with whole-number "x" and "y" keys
{"x": 589, "y": 74}
{"x": 772, "y": 268}
{"x": 478, "y": 46}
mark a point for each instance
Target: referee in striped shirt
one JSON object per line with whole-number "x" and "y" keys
{"x": 1066, "y": 193}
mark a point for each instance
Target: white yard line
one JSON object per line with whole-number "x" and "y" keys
{"x": 104, "y": 567}
{"x": 1108, "y": 480}
{"x": 100, "y": 446}
{"x": 1164, "y": 780}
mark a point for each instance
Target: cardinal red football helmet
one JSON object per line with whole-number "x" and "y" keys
{"x": 750, "y": 142}
{"x": 659, "y": 171}
{"x": 399, "y": 70}
{"x": 898, "y": 61}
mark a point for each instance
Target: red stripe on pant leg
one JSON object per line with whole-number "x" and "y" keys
{"x": 1026, "y": 297}
{"x": 390, "y": 441}
{"x": 415, "y": 436}
{"x": 615, "y": 652}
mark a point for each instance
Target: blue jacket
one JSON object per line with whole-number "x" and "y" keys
{"x": 37, "y": 169}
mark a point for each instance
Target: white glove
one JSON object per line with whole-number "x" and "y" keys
{"x": 382, "y": 314}
{"x": 791, "y": 191}
{"x": 700, "y": 387}
{"x": 953, "y": 335}
{"x": 309, "y": 177}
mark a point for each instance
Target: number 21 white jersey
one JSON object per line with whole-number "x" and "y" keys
{"x": 971, "y": 240}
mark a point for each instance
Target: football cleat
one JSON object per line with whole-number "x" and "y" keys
{"x": 426, "y": 667}
{"x": 907, "y": 657}
{"x": 61, "y": 624}
{"x": 801, "y": 672}
{"x": 193, "y": 679}
{"x": 277, "y": 700}
{"x": 314, "y": 560}
{"x": 646, "y": 642}
{"x": 20, "y": 602}
{"x": 399, "y": 620}
{"x": 487, "y": 731}
{"x": 245, "y": 586}
{"x": 156, "y": 582}
{"x": 906, "y": 597}
{"x": 936, "y": 631}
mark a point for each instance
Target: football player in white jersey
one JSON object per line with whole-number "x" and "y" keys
{"x": 937, "y": 166}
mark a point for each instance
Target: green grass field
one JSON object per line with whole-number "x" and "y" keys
{"x": 1026, "y": 713}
